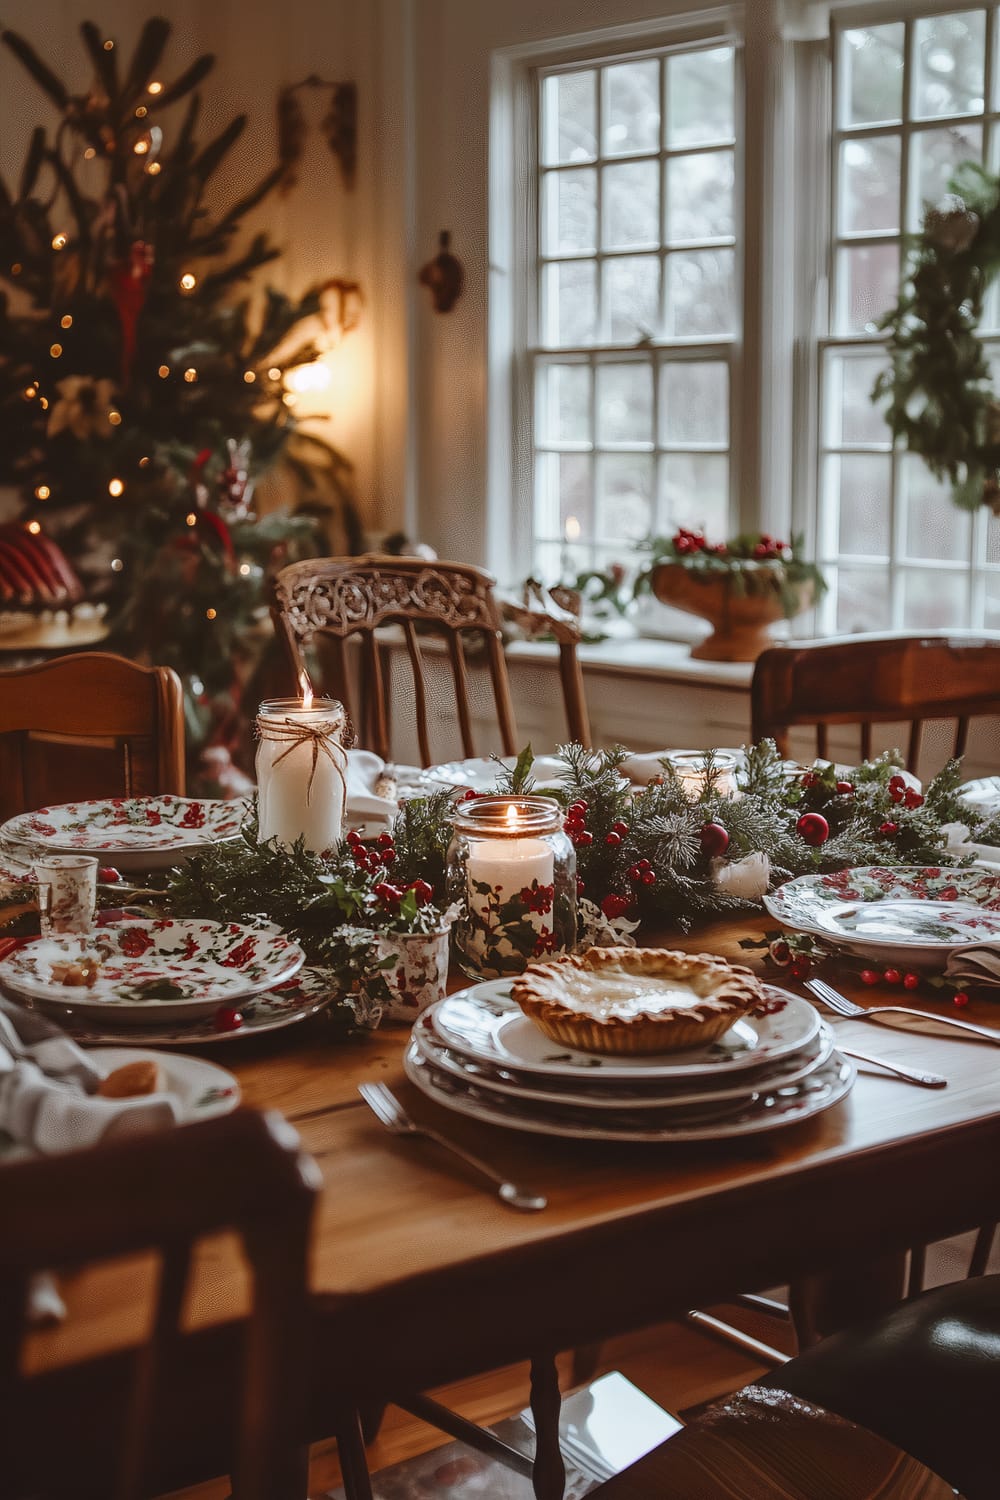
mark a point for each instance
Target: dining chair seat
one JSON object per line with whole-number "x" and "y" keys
{"x": 89, "y": 725}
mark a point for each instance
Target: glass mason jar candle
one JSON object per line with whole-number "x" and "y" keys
{"x": 301, "y": 771}
{"x": 691, "y": 767}
{"x": 513, "y": 870}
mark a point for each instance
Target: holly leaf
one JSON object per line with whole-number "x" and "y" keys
{"x": 521, "y": 773}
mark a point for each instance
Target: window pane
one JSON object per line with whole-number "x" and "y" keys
{"x": 569, "y": 117}
{"x": 564, "y": 404}
{"x": 700, "y": 292}
{"x": 699, "y": 196}
{"x": 851, "y": 416}
{"x": 933, "y": 599}
{"x": 933, "y": 525}
{"x": 569, "y": 211}
{"x": 632, "y": 297}
{"x": 862, "y": 599}
{"x": 624, "y": 403}
{"x": 569, "y": 304}
{"x": 624, "y": 496}
{"x": 869, "y": 185}
{"x": 859, "y": 486}
{"x": 949, "y": 55}
{"x": 869, "y": 286}
{"x": 694, "y": 491}
{"x": 563, "y": 490}
{"x": 936, "y": 154}
{"x": 632, "y": 108}
{"x": 992, "y": 617}
{"x": 700, "y": 97}
{"x": 631, "y": 205}
{"x": 872, "y": 60}
{"x": 694, "y": 402}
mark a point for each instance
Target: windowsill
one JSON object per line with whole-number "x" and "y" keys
{"x": 643, "y": 656}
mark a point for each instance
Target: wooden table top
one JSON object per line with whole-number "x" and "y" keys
{"x": 404, "y": 1238}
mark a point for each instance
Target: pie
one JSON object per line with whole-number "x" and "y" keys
{"x": 132, "y": 1080}
{"x": 635, "y": 1000}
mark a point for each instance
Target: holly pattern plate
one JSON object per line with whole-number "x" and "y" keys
{"x": 914, "y": 908}
{"x": 484, "y": 1023}
{"x": 176, "y": 969}
{"x": 133, "y": 832}
{"x": 767, "y": 1110}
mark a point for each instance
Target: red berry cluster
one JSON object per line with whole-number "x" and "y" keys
{"x": 686, "y": 542}
{"x": 907, "y": 795}
{"x": 575, "y": 824}
{"x": 389, "y": 896}
{"x": 545, "y": 942}
{"x": 642, "y": 873}
{"x": 770, "y": 547}
{"x": 370, "y": 860}
{"x": 909, "y": 981}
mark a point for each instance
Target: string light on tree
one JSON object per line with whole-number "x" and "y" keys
{"x": 59, "y": 241}
{"x": 210, "y": 614}
{"x": 55, "y": 350}
{"x": 191, "y": 518}
{"x": 188, "y": 282}
{"x": 249, "y": 377}
{"x": 153, "y": 168}
{"x": 191, "y": 375}
{"x": 66, "y": 321}
{"x": 141, "y": 112}
{"x": 116, "y": 487}
{"x": 115, "y": 417}
{"x": 42, "y": 492}
{"x": 155, "y": 88}
{"x": 116, "y": 565}
{"x": 163, "y": 371}
{"x": 34, "y": 527}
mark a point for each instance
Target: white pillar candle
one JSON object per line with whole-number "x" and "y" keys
{"x": 508, "y": 865}
{"x": 301, "y": 772}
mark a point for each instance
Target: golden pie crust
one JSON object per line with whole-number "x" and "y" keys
{"x": 635, "y": 1000}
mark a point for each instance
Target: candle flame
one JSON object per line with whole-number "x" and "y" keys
{"x": 306, "y": 688}
{"x": 513, "y": 817}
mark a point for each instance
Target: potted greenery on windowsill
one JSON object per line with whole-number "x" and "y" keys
{"x": 741, "y": 587}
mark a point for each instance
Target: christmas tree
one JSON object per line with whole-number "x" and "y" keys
{"x": 139, "y": 397}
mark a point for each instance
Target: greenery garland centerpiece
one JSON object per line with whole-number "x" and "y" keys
{"x": 940, "y": 389}
{"x": 661, "y": 858}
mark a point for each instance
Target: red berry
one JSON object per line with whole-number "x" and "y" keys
{"x": 800, "y": 966}
{"x": 108, "y": 875}
{"x": 780, "y": 951}
{"x": 912, "y": 798}
{"x": 388, "y": 895}
{"x": 469, "y": 796}
{"x": 870, "y": 976}
{"x": 227, "y": 1018}
{"x": 612, "y": 838}
{"x": 810, "y": 779}
{"x": 615, "y": 906}
{"x": 353, "y": 837}
{"x": 813, "y": 829}
{"x": 897, "y": 783}
{"x": 888, "y": 829}
{"x": 714, "y": 839}
{"x": 388, "y": 855}
{"x": 619, "y": 827}
{"x": 911, "y": 981}
{"x": 892, "y": 976}
{"x": 643, "y": 864}
{"x": 422, "y": 891}
{"x": 579, "y": 806}
{"x": 960, "y": 999}
{"x": 648, "y": 877}
{"x": 843, "y": 787}
{"x": 385, "y": 841}
{"x": 584, "y": 839}
{"x": 635, "y": 874}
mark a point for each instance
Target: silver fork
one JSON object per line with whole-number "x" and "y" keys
{"x": 844, "y": 1007}
{"x": 384, "y": 1104}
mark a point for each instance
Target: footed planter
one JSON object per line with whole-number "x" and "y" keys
{"x": 741, "y": 616}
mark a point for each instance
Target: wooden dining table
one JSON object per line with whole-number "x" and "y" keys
{"x": 421, "y": 1276}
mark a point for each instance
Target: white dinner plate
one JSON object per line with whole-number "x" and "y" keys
{"x": 130, "y": 833}
{"x": 914, "y": 913}
{"x": 600, "y": 1094}
{"x": 168, "y": 969}
{"x": 484, "y": 1023}
{"x": 200, "y": 1089}
{"x": 767, "y": 1110}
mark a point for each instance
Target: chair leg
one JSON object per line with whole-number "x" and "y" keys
{"x": 548, "y": 1476}
{"x": 351, "y": 1453}
{"x": 981, "y": 1250}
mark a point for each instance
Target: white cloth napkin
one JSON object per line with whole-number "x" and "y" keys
{"x": 983, "y": 796}
{"x": 987, "y": 856}
{"x": 363, "y": 770}
{"x": 48, "y": 1087}
{"x": 977, "y": 963}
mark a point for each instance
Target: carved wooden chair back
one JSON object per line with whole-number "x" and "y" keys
{"x": 876, "y": 680}
{"x": 334, "y": 598}
{"x": 94, "y": 1428}
{"x": 93, "y": 725}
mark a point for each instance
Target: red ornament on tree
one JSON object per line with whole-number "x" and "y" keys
{"x": 714, "y": 840}
{"x": 813, "y": 829}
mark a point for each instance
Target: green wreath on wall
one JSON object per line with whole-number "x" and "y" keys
{"x": 940, "y": 390}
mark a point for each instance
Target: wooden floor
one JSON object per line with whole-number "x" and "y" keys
{"x": 679, "y": 1366}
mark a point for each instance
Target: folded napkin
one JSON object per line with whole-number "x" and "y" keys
{"x": 987, "y": 856}
{"x": 977, "y": 963}
{"x": 48, "y": 1087}
{"x": 363, "y": 802}
{"x": 983, "y": 795}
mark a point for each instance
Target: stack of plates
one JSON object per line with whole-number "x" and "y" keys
{"x": 477, "y": 1053}
{"x": 131, "y": 833}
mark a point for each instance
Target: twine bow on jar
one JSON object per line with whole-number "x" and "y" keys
{"x": 294, "y": 732}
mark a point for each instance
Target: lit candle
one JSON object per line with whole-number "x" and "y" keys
{"x": 691, "y": 770}
{"x": 301, "y": 771}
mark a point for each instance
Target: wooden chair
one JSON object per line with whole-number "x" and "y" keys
{"x": 97, "y": 1429}
{"x": 338, "y": 597}
{"x": 875, "y": 680}
{"x": 92, "y": 725}
{"x": 556, "y": 613}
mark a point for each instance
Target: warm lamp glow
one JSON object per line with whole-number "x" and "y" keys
{"x": 314, "y": 376}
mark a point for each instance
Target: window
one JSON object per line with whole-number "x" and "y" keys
{"x": 913, "y": 98}
{"x": 636, "y": 303}
{"x": 630, "y": 333}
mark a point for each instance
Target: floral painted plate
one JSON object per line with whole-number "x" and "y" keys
{"x": 483, "y": 1023}
{"x": 311, "y": 991}
{"x": 767, "y": 1110}
{"x": 201, "y": 1089}
{"x": 175, "y": 969}
{"x": 601, "y": 1093}
{"x": 907, "y": 914}
{"x": 129, "y": 832}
